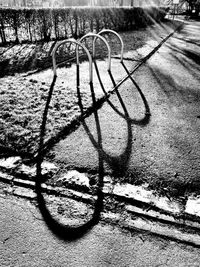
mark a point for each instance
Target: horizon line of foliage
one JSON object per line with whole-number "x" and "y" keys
{"x": 32, "y": 25}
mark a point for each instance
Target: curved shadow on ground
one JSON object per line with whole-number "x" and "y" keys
{"x": 65, "y": 232}
{"x": 145, "y": 120}
{"x": 63, "y": 133}
{"x": 118, "y": 164}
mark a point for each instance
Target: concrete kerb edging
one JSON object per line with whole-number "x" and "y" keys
{"x": 138, "y": 199}
{"x": 152, "y": 220}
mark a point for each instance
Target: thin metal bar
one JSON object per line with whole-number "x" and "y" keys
{"x": 118, "y": 36}
{"x": 105, "y": 42}
{"x": 78, "y": 44}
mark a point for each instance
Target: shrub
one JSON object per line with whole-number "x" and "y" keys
{"x": 22, "y": 25}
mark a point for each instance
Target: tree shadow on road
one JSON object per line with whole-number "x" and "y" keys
{"x": 193, "y": 56}
{"x": 178, "y": 80}
{"x": 189, "y": 62}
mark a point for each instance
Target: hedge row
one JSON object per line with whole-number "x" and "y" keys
{"x": 23, "y": 25}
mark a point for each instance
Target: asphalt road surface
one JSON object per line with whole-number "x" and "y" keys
{"x": 25, "y": 241}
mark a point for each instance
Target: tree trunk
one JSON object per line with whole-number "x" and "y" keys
{"x": 2, "y": 33}
{"x": 16, "y": 35}
{"x": 30, "y": 33}
{"x": 15, "y": 26}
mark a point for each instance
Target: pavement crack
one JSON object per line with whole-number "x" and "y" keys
{"x": 32, "y": 212}
{"x": 34, "y": 216}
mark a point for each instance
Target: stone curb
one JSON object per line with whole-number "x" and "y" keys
{"x": 139, "y": 200}
{"x": 155, "y": 223}
{"x": 139, "y": 196}
{"x": 159, "y": 229}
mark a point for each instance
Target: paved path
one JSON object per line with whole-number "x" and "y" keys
{"x": 161, "y": 149}
{"x": 26, "y": 242}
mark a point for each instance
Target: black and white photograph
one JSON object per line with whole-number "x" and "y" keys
{"x": 99, "y": 133}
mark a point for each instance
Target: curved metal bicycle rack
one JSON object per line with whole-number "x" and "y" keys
{"x": 118, "y": 36}
{"x": 96, "y": 36}
{"x": 78, "y": 44}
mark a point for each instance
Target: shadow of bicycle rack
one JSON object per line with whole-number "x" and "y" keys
{"x": 145, "y": 120}
{"x": 64, "y": 232}
{"x": 67, "y": 232}
{"x": 117, "y": 163}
